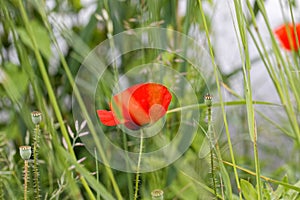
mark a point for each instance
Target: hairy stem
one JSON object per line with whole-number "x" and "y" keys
{"x": 25, "y": 178}
{"x": 35, "y": 162}
{"x": 138, "y": 168}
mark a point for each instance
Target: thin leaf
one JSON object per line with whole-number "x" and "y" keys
{"x": 78, "y": 144}
{"x": 70, "y": 132}
{"x": 248, "y": 190}
{"x": 81, "y": 160}
{"x": 40, "y": 34}
{"x": 83, "y": 124}
{"x": 64, "y": 142}
{"x": 83, "y": 134}
{"x": 76, "y": 126}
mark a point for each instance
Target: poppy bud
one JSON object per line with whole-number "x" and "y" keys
{"x": 25, "y": 152}
{"x": 208, "y": 99}
{"x": 36, "y": 117}
{"x": 157, "y": 194}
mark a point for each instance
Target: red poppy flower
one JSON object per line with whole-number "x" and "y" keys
{"x": 137, "y": 106}
{"x": 287, "y": 37}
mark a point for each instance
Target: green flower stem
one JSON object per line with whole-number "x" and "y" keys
{"x": 138, "y": 167}
{"x": 50, "y": 90}
{"x": 221, "y": 101}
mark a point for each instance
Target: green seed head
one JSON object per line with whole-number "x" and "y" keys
{"x": 25, "y": 152}
{"x": 36, "y": 117}
{"x": 157, "y": 194}
{"x": 208, "y": 99}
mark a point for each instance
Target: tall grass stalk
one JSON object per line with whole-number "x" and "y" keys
{"x": 244, "y": 52}
{"x": 216, "y": 74}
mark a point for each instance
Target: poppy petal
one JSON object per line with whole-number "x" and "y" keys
{"x": 107, "y": 118}
{"x": 286, "y": 36}
{"x": 132, "y": 126}
{"x": 156, "y": 112}
{"x": 144, "y": 98}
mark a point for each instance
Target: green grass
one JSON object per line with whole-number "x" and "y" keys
{"x": 38, "y": 72}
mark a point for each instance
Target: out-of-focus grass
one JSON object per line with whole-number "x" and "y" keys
{"x": 41, "y": 55}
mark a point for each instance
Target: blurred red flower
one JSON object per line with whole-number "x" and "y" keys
{"x": 137, "y": 106}
{"x": 287, "y": 37}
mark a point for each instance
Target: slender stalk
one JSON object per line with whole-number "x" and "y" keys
{"x": 137, "y": 176}
{"x": 222, "y": 104}
{"x": 244, "y": 51}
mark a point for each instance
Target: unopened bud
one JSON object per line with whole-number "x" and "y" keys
{"x": 36, "y": 117}
{"x": 208, "y": 99}
{"x": 157, "y": 194}
{"x": 25, "y": 152}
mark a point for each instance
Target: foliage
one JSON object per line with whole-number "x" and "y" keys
{"x": 43, "y": 45}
